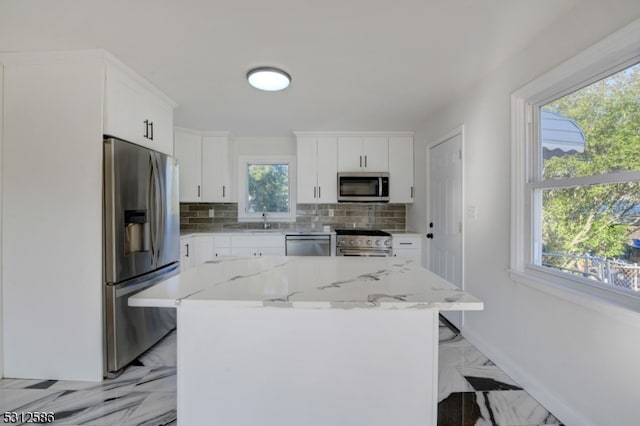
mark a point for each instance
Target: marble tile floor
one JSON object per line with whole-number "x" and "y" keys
{"x": 144, "y": 394}
{"x": 472, "y": 391}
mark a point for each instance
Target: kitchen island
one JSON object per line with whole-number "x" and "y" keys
{"x": 307, "y": 340}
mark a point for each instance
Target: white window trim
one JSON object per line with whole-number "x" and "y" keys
{"x": 616, "y": 52}
{"x": 243, "y": 162}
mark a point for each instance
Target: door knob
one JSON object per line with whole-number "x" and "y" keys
{"x": 429, "y": 235}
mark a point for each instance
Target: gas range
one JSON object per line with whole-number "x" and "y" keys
{"x": 362, "y": 242}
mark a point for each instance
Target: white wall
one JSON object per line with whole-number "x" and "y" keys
{"x": 581, "y": 363}
{"x": 1, "y": 312}
{"x": 52, "y": 218}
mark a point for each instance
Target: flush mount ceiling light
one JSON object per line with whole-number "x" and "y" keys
{"x": 268, "y": 78}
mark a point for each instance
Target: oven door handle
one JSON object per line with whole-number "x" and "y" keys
{"x": 363, "y": 253}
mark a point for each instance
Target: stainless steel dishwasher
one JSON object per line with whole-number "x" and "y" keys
{"x": 308, "y": 245}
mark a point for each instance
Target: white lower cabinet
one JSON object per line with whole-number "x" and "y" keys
{"x": 195, "y": 250}
{"x": 257, "y": 245}
{"x": 202, "y": 249}
{"x": 407, "y": 246}
{"x": 186, "y": 253}
{"x": 221, "y": 246}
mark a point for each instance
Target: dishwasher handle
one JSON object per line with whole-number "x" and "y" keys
{"x": 307, "y": 237}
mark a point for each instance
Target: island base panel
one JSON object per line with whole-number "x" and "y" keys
{"x": 275, "y": 366}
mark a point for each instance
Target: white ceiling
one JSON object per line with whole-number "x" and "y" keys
{"x": 356, "y": 64}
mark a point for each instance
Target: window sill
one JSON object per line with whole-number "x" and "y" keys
{"x": 617, "y": 306}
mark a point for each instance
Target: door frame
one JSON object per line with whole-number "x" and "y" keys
{"x": 460, "y": 130}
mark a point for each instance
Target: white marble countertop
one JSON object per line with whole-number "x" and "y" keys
{"x": 309, "y": 282}
{"x": 244, "y": 232}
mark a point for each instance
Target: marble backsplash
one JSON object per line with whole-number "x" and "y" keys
{"x": 194, "y": 217}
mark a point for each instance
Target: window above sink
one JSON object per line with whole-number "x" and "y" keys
{"x": 266, "y": 189}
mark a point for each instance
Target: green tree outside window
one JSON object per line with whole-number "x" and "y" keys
{"x": 595, "y": 220}
{"x": 268, "y": 188}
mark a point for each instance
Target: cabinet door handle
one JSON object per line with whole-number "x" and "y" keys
{"x": 151, "y": 126}
{"x": 365, "y": 161}
{"x": 361, "y": 161}
{"x": 146, "y": 129}
{"x": 223, "y": 191}
{"x": 198, "y": 190}
{"x": 412, "y": 192}
{"x": 187, "y": 255}
{"x": 319, "y": 196}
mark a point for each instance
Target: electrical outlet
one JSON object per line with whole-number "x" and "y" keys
{"x": 472, "y": 213}
{"x": 212, "y": 213}
{"x": 331, "y": 212}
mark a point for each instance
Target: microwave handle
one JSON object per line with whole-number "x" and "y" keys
{"x": 380, "y": 187}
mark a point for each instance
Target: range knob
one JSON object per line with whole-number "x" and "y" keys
{"x": 369, "y": 242}
{"x": 387, "y": 242}
{"x": 377, "y": 242}
{"x": 352, "y": 242}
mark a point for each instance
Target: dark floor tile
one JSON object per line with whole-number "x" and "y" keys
{"x": 488, "y": 384}
{"x": 493, "y": 408}
{"x": 459, "y": 409}
{"x": 45, "y": 384}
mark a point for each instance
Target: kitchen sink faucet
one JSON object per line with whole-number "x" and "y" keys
{"x": 264, "y": 221}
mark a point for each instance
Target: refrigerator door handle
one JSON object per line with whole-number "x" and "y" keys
{"x": 153, "y": 207}
{"x": 160, "y": 178}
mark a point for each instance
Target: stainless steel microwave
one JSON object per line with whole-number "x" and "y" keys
{"x": 363, "y": 187}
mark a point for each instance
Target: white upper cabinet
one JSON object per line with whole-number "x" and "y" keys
{"x": 327, "y": 169}
{"x": 349, "y": 154}
{"x": 375, "y": 150}
{"x": 205, "y": 166}
{"x": 216, "y": 169}
{"x": 363, "y": 154}
{"x": 188, "y": 151}
{"x": 317, "y": 169}
{"x": 401, "y": 189}
{"x": 321, "y": 155}
{"x": 135, "y": 112}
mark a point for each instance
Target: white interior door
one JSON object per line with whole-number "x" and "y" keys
{"x": 444, "y": 224}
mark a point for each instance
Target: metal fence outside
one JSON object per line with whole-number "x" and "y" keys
{"x": 609, "y": 271}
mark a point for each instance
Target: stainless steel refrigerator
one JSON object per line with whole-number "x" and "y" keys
{"x": 142, "y": 246}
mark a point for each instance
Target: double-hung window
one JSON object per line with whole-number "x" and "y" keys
{"x": 576, "y": 173}
{"x": 267, "y": 188}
